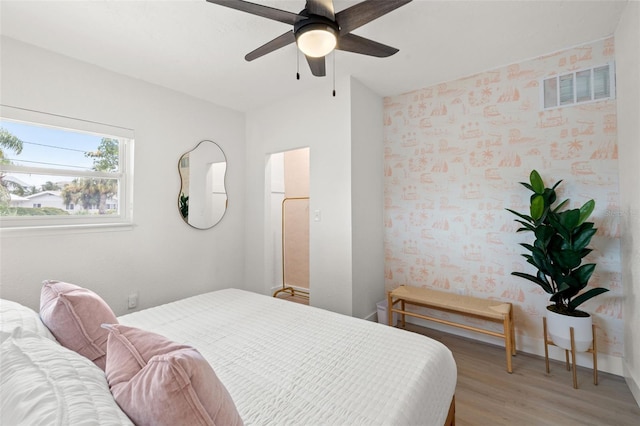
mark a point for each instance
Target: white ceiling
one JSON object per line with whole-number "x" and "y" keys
{"x": 198, "y": 48}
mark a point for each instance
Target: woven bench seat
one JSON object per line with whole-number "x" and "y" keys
{"x": 477, "y": 307}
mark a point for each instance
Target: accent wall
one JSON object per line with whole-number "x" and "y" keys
{"x": 454, "y": 154}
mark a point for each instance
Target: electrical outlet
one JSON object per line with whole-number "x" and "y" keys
{"x": 133, "y": 300}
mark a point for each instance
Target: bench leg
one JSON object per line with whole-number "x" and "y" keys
{"x": 507, "y": 340}
{"x": 513, "y": 332}
{"x": 390, "y": 310}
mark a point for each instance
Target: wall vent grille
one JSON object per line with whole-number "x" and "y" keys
{"x": 578, "y": 87}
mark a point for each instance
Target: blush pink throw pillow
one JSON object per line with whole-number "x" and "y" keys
{"x": 159, "y": 382}
{"x": 74, "y": 315}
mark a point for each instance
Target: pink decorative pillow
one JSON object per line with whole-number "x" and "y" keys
{"x": 74, "y": 315}
{"x": 159, "y": 382}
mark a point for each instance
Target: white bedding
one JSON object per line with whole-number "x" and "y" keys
{"x": 289, "y": 364}
{"x": 44, "y": 383}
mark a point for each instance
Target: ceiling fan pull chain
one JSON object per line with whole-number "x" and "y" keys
{"x": 334, "y": 73}
{"x": 297, "y": 65}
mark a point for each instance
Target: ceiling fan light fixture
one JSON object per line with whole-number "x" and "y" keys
{"x": 316, "y": 40}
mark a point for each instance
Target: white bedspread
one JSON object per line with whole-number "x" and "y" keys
{"x": 290, "y": 364}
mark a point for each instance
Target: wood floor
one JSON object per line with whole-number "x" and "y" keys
{"x": 487, "y": 395}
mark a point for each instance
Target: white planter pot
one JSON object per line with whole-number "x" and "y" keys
{"x": 559, "y": 326}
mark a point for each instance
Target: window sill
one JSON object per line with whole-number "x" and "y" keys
{"x": 65, "y": 229}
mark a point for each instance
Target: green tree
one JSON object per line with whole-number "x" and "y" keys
{"x": 8, "y": 141}
{"x": 105, "y": 158}
{"x": 71, "y": 193}
{"x": 50, "y": 186}
{"x": 20, "y": 190}
{"x": 96, "y": 191}
{"x": 84, "y": 191}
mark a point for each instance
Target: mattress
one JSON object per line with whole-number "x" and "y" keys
{"x": 290, "y": 364}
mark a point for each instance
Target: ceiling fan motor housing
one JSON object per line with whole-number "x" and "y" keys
{"x": 317, "y": 22}
{"x": 319, "y": 25}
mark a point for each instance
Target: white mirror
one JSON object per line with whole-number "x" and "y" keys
{"x": 202, "y": 200}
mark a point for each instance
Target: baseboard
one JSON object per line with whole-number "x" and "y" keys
{"x": 634, "y": 386}
{"x": 606, "y": 363}
{"x": 373, "y": 317}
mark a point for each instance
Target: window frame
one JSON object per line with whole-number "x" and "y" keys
{"x": 574, "y": 79}
{"x": 124, "y": 175}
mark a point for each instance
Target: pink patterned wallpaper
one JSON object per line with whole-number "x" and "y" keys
{"x": 454, "y": 154}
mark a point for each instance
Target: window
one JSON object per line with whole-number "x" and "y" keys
{"x": 581, "y": 86}
{"x": 57, "y": 171}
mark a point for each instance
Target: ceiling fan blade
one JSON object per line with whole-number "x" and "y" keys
{"x": 364, "y": 12}
{"x": 260, "y": 10}
{"x": 275, "y": 44}
{"x": 317, "y": 66}
{"x": 321, "y": 7}
{"x": 364, "y": 46}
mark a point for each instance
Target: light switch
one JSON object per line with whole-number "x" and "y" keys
{"x": 316, "y": 216}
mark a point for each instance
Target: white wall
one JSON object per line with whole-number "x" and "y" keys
{"x": 160, "y": 257}
{"x": 628, "y": 90}
{"x": 322, "y": 123}
{"x": 367, "y": 198}
{"x": 344, "y": 135}
{"x": 274, "y": 236}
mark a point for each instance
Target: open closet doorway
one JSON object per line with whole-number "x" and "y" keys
{"x": 290, "y": 223}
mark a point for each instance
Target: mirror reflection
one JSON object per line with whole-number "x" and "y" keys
{"x": 203, "y": 197}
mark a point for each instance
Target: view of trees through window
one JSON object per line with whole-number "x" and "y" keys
{"x": 53, "y": 171}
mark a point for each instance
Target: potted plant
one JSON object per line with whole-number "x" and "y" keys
{"x": 183, "y": 205}
{"x": 560, "y": 246}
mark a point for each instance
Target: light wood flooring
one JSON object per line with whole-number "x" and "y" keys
{"x": 487, "y": 395}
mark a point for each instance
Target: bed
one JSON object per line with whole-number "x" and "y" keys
{"x": 289, "y": 364}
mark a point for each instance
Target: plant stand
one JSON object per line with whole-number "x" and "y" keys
{"x": 593, "y": 350}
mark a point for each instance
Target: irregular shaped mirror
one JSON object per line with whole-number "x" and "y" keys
{"x": 203, "y": 197}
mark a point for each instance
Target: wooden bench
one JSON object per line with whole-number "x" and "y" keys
{"x": 486, "y": 309}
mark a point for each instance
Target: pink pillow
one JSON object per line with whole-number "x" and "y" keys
{"x": 159, "y": 382}
{"x": 74, "y": 315}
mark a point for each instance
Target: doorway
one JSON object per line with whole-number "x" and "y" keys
{"x": 290, "y": 224}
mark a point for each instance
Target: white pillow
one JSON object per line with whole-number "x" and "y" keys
{"x": 14, "y": 315}
{"x": 44, "y": 383}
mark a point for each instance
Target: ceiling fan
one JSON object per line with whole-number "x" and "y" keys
{"x": 318, "y": 30}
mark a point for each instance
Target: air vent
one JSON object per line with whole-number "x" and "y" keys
{"x": 586, "y": 85}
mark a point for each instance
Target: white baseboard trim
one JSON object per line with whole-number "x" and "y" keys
{"x": 373, "y": 317}
{"x": 606, "y": 363}
{"x": 634, "y": 386}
